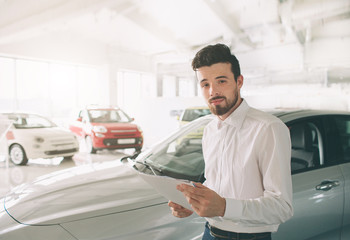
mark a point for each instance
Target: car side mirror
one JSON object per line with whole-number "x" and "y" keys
{"x": 79, "y": 119}
{"x": 132, "y": 119}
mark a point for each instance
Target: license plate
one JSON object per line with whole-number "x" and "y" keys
{"x": 126, "y": 141}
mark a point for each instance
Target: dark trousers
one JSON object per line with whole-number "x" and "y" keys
{"x": 211, "y": 233}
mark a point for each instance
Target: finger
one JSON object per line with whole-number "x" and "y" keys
{"x": 194, "y": 192}
{"x": 181, "y": 212}
{"x": 174, "y": 205}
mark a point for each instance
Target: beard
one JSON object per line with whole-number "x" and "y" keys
{"x": 221, "y": 110}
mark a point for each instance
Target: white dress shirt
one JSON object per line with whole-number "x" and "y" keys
{"x": 247, "y": 161}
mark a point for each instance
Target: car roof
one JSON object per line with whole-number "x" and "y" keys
{"x": 197, "y": 107}
{"x": 22, "y": 114}
{"x": 102, "y": 108}
{"x": 289, "y": 115}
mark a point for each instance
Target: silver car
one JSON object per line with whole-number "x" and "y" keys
{"x": 111, "y": 201}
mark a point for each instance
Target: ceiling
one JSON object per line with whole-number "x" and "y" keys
{"x": 172, "y": 30}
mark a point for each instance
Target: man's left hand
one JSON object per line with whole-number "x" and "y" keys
{"x": 204, "y": 201}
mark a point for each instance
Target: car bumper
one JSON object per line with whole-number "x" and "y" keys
{"x": 117, "y": 143}
{"x": 52, "y": 152}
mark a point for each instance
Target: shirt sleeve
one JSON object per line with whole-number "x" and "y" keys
{"x": 275, "y": 206}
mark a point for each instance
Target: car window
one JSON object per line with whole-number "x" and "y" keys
{"x": 342, "y": 128}
{"x": 192, "y": 114}
{"x": 85, "y": 117}
{"x": 108, "y": 116}
{"x": 181, "y": 156}
{"x": 30, "y": 121}
{"x": 307, "y": 145}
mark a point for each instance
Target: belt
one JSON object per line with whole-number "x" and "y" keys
{"x": 216, "y": 232}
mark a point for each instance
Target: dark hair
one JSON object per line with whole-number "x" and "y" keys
{"x": 218, "y": 53}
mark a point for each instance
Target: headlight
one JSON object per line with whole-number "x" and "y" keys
{"x": 39, "y": 139}
{"x": 99, "y": 135}
{"x": 99, "y": 129}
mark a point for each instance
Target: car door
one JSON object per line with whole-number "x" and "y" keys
{"x": 340, "y": 126}
{"x": 318, "y": 184}
{"x": 77, "y": 126}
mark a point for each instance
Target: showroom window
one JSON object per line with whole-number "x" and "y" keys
{"x": 91, "y": 88}
{"x": 32, "y": 86}
{"x": 186, "y": 87}
{"x": 7, "y": 84}
{"x": 51, "y": 89}
{"x": 63, "y": 85}
{"x": 169, "y": 86}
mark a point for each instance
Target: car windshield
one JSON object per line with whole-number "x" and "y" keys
{"x": 108, "y": 116}
{"x": 192, "y": 114}
{"x": 179, "y": 156}
{"x": 21, "y": 121}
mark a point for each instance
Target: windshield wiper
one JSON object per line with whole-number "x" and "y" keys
{"x": 149, "y": 166}
{"x": 144, "y": 163}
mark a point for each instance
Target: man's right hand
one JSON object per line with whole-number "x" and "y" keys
{"x": 178, "y": 210}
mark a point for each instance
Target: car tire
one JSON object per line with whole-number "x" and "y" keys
{"x": 18, "y": 155}
{"x": 138, "y": 149}
{"x": 68, "y": 157}
{"x": 89, "y": 146}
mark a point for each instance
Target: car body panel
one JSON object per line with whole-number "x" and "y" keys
{"x": 58, "y": 142}
{"x": 322, "y": 211}
{"x": 154, "y": 222}
{"x": 345, "y": 168}
{"x": 99, "y": 197}
{"x": 54, "y": 199}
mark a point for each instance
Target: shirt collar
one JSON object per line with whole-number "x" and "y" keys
{"x": 236, "y": 118}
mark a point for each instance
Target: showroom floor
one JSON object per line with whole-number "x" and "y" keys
{"x": 12, "y": 175}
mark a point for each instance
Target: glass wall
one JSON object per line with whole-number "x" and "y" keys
{"x": 51, "y": 89}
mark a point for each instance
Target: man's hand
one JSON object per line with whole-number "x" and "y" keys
{"x": 178, "y": 210}
{"x": 204, "y": 201}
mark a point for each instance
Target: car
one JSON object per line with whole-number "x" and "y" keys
{"x": 192, "y": 113}
{"x": 107, "y": 128}
{"x": 110, "y": 200}
{"x": 34, "y": 136}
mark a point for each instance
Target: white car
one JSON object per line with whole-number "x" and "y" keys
{"x": 111, "y": 201}
{"x": 32, "y": 136}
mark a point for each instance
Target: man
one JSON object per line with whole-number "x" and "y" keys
{"x": 248, "y": 187}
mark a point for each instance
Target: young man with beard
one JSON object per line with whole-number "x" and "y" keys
{"x": 248, "y": 187}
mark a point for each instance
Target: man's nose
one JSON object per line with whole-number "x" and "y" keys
{"x": 213, "y": 91}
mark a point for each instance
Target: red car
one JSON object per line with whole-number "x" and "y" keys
{"x": 107, "y": 128}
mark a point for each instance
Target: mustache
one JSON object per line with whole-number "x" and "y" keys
{"x": 216, "y": 98}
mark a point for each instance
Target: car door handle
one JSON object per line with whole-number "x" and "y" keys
{"x": 327, "y": 185}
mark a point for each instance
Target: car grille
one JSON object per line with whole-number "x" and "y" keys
{"x": 62, "y": 144}
{"x": 124, "y": 131}
{"x": 114, "y": 142}
{"x": 55, "y": 152}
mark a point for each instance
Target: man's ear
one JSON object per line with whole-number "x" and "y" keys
{"x": 240, "y": 81}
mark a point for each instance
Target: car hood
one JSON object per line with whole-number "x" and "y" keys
{"x": 79, "y": 193}
{"x": 57, "y": 132}
{"x": 120, "y": 126}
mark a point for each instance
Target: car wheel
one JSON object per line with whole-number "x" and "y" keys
{"x": 18, "y": 155}
{"x": 89, "y": 146}
{"x": 68, "y": 157}
{"x": 138, "y": 149}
